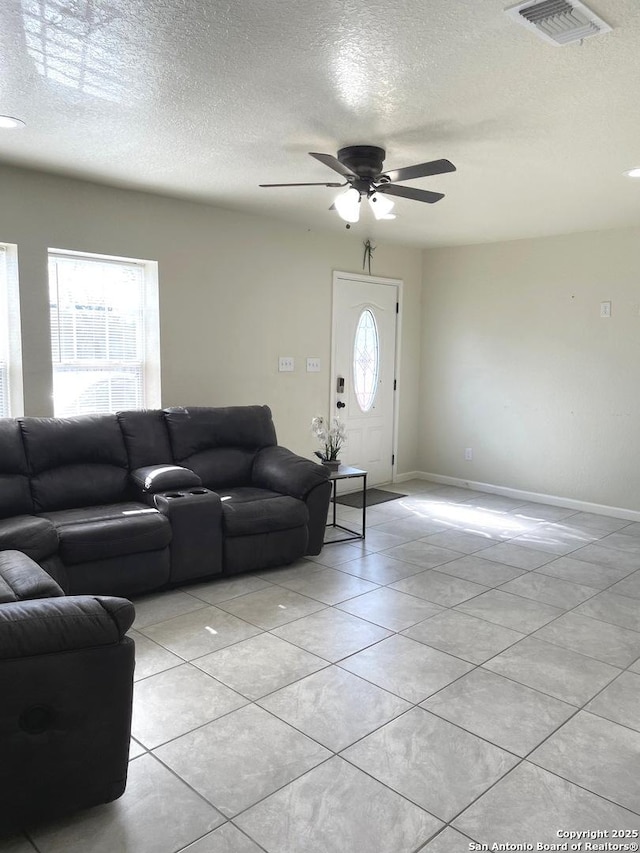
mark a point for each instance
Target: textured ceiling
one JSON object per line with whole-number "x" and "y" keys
{"x": 208, "y": 99}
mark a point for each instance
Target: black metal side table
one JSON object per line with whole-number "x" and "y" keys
{"x": 345, "y": 472}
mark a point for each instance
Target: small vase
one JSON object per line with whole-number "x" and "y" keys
{"x": 331, "y": 464}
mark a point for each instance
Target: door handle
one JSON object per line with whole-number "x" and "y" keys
{"x": 340, "y": 404}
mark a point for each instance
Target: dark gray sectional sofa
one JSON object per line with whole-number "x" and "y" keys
{"x": 128, "y": 503}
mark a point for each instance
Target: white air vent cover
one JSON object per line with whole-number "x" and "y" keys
{"x": 559, "y": 22}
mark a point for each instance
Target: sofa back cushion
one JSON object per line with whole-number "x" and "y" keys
{"x": 145, "y": 437}
{"x": 15, "y": 495}
{"x": 75, "y": 462}
{"x": 220, "y": 444}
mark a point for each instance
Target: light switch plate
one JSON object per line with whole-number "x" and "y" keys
{"x": 313, "y": 365}
{"x": 285, "y": 364}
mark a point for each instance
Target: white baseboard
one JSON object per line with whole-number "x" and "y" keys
{"x": 518, "y": 494}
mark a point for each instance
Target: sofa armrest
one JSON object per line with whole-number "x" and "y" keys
{"x": 283, "y": 471}
{"x": 51, "y": 625}
{"x": 163, "y": 478}
{"x": 22, "y": 578}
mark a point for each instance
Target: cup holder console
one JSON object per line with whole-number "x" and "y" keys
{"x": 198, "y": 491}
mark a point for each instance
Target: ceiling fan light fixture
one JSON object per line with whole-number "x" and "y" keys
{"x": 633, "y": 173}
{"x": 348, "y": 205}
{"x": 10, "y": 122}
{"x": 381, "y": 206}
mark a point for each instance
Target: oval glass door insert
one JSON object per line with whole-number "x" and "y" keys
{"x": 366, "y": 360}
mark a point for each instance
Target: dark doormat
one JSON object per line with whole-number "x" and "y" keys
{"x": 374, "y": 496}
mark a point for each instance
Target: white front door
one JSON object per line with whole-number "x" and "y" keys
{"x": 363, "y": 371}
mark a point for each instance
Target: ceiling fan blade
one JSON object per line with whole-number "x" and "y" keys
{"x": 410, "y": 192}
{"x": 333, "y": 163}
{"x": 303, "y": 185}
{"x": 420, "y": 170}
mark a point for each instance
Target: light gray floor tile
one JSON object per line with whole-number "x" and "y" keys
{"x": 135, "y": 749}
{"x": 600, "y": 640}
{"x": 543, "y": 512}
{"x": 620, "y": 701}
{"x": 529, "y": 806}
{"x": 300, "y": 569}
{"x": 334, "y": 707}
{"x": 439, "y": 588}
{"x": 260, "y": 665}
{"x": 422, "y": 554}
{"x": 616, "y": 609}
{"x": 407, "y": 668}
{"x": 412, "y": 528}
{"x": 510, "y": 715}
{"x": 379, "y": 540}
{"x": 628, "y": 544}
{"x": 599, "y": 522}
{"x": 380, "y": 568}
{"x": 510, "y": 611}
{"x": 330, "y": 586}
{"x": 630, "y": 586}
{"x": 612, "y": 557}
{"x": 431, "y": 762}
{"x": 390, "y": 608}
{"x": 269, "y": 608}
{"x": 551, "y": 541}
{"x": 455, "y": 494}
{"x": 337, "y": 809}
{"x": 174, "y": 702}
{"x": 241, "y": 758}
{"x": 636, "y": 666}
{"x": 331, "y": 634}
{"x": 225, "y": 839}
{"x": 578, "y": 571}
{"x": 497, "y": 503}
{"x": 447, "y": 841}
{"x": 221, "y": 590}
{"x": 460, "y": 540}
{"x": 150, "y": 657}
{"x": 336, "y": 553}
{"x": 160, "y": 606}
{"x": 554, "y": 670}
{"x": 477, "y": 569}
{"x": 198, "y": 633}
{"x": 464, "y": 636}
{"x": 549, "y": 590}
{"x": 514, "y": 555}
{"x": 137, "y": 822}
{"x": 596, "y": 754}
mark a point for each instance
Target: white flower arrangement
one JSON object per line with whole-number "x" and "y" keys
{"x": 331, "y": 434}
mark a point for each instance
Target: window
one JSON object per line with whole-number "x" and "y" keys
{"x": 104, "y": 333}
{"x": 10, "y": 352}
{"x": 366, "y": 360}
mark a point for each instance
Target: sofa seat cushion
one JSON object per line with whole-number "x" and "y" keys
{"x": 247, "y": 510}
{"x": 36, "y": 537}
{"x": 99, "y": 533}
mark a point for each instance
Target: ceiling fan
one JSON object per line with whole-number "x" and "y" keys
{"x": 361, "y": 167}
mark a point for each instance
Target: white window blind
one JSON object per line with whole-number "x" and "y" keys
{"x": 10, "y": 349}
{"x": 104, "y": 334}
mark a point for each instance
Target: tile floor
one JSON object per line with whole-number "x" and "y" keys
{"x": 470, "y": 673}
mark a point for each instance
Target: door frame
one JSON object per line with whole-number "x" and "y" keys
{"x": 370, "y": 279}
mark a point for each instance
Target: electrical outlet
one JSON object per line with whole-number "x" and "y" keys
{"x": 605, "y": 309}
{"x": 468, "y": 454}
{"x": 313, "y": 365}
{"x": 285, "y": 364}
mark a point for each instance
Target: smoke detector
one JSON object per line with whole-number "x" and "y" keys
{"x": 558, "y": 22}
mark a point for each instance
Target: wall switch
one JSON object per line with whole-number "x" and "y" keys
{"x": 605, "y": 309}
{"x": 285, "y": 364}
{"x": 313, "y": 365}
{"x": 468, "y": 454}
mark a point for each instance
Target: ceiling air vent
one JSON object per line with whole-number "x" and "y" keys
{"x": 559, "y": 22}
